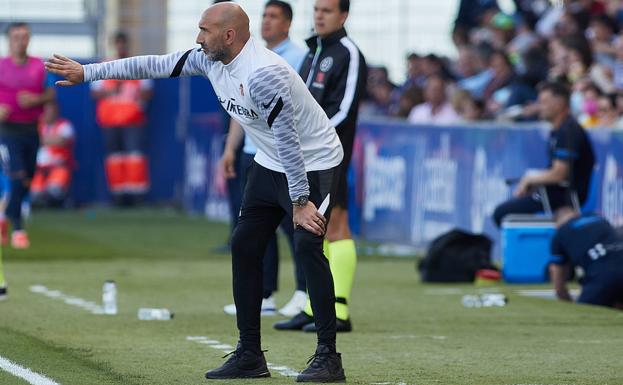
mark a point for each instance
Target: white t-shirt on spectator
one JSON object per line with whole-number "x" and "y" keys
{"x": 423, "y": 114}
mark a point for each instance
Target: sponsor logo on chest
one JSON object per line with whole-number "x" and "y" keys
{"x": 231, "y": 106}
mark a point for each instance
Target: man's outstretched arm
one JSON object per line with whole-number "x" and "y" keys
{"x": 188, "y": 63}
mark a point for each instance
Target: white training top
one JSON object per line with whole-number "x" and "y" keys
{"x": 263, "y": 93}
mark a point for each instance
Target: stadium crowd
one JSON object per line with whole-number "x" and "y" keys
{"x": 502, "y": 57}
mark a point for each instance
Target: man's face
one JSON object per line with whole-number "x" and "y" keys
{"x": 435, "y": 91}
{"x": 19, "y": 38}
{"x": 327, "y": 17}
{"x": 211, "y": 38}
{"x": 275, "y": 24}
{"x": 122, "y": 47}
{"x": 549, "y": 104}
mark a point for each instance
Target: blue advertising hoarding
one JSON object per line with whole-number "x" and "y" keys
{"x": 416, "y": 182}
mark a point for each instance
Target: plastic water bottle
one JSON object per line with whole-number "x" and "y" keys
{"x": 471, "y": 301}
{"x": 109, "y": 297}
{"x": 493, "y": 299}
{"x": 484, "y": 300}
{"x": 149, "y": 314}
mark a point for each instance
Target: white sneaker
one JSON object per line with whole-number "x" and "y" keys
{"x": 269, "y": 308}
{"x": 230, "y": 309}
{"x": 296, "y": 304}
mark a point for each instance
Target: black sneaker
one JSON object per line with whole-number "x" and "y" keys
{"x": 3, "y": 292}
{"x": 295, "y": 323}
{"x": 341, "y": 326}
{"x": 324, "y": 366}
{"x": 241, "y": 364}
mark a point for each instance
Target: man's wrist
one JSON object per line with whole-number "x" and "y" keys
{"x": 301, "y": 201}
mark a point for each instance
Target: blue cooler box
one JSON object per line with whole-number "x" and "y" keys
{"x": 526, "y": 244}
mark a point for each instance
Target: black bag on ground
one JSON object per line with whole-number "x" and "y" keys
{"x": 455, "y": 257}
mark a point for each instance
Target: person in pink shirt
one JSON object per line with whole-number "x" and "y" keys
{"x": 436, "y": 109}
{"x": 24, "y": 89}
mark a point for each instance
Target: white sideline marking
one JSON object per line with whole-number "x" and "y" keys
{"x": 413, "y": 336}
{"x": 25, "y": 373}
{"x": 388, "y": 383}
{"x": 283, "y": 370}
{"x": 546, "y": 293}
{"x": 457, "y": 291}
{"x": 89, "y": 306}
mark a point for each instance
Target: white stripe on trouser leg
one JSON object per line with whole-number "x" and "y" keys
{"x": 25, "y": 373}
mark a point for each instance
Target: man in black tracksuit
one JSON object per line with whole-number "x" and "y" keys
{"x": 335, "y": 73}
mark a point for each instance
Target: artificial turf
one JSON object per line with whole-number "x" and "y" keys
{"x": 404, "y": 331}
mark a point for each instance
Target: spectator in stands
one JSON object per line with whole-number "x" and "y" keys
{"x": 435, "y": 65}
{"x": 571, "y": 160}
{"x": 467, "y": 107}
{"x": 502, "y": 27}
{"x": 470, "y": 13}
{"x": 405, "y": 94}
{"x": 436, "y": 108}
{"x": 601, "y": 38}
{"x": 407, "y": 100}
{"x": 579, "y": 57}
{"x": 120, "y": 111}
{"x": 522, "y": 95}
{"x": 590, "y": 94}
{"x": 558, "y": 56}
{"x": 24, "y": 89}
{"x": 607, "y": 116}
{"x": 54, "y": 160}
{"x": 592, "y": 244}
{"x": 472, "y": 69}
{"x": 415, "y": 73}
{"x": 497, "y": 91}
{"x": 379, "y": 92}
{"x": 617, "y": 67}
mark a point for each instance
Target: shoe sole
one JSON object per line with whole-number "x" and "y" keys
{"x": 247, "y": 376}
{"x": 325, "y": 381}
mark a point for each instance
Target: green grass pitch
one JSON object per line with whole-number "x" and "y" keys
{"x": 404, "y": 332}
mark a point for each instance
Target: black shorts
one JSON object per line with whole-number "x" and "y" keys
{"x": 339, "y": 194}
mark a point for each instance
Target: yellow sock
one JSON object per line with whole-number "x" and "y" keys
{"x": 343, "y": 262}
{"x": 325, "y": 249}
{"x": 2, "y": 281}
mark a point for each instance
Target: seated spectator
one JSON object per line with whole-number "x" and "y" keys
{"x": 436, "y": 109}
{"x": 54, "y": 159}
{"x": 472, "y": 69}
{"x": 592, "y": 244}
{"x": 379, "y": 92}
{"x": 602, "y": 36}
{"x": 571, "y": 160}
{"x": 503, "y": 75}
{"x": 617, "y": 70}
{"x": 407, "y": 100}
{"x": 607, "y": 116}
{"x": 502, "y": 27}
{"x": 588, "y": 113}
{"x": 378, "y": 102}
{"x": 415, "y": 74}
{"x": 469, "y": 108}
{"x": 434, "y": 65}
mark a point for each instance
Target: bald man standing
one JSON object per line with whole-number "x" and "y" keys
{"x": 292, "y": 173}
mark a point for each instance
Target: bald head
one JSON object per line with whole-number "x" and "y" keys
{"x": 223, "y": 31}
